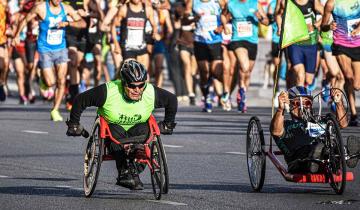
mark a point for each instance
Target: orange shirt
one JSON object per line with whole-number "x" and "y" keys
{"x": 3, "y": 37}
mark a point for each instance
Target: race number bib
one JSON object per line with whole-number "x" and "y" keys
{"x": 135, "y": 38}
{"x": 54, "y": 37}
{"x": 315, "y": 130}
{"x": 351, "y": 25}
{"x": 244, "y": 29}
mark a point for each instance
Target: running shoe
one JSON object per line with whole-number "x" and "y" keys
{"x": 353, "y": 148}
{"x": 23, "y": 100}
{"x": 68, "y": 106}
{"x": 2, "y": 93}
{"x": 225, "y": 102}
{"x": 353, "y": 121}
{"x": 325, "y": 91}
{"x": 51, "y": 94}
{"x": 312, "y": 86}
{"x": 32, "y": 97}
{"x": 207, "y": 105}
{"x": 55, "y": 115}
{"x": 192, "y": 99}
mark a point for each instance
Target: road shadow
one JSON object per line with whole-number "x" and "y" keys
{"x": 52, "y": 179}
{"x": 246, "y": 188}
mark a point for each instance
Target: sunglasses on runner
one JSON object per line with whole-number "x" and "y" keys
{"x": 306, "y": 103}
{"x": 133, "y": 86}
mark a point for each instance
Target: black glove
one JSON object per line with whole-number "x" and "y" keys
{"x": 166, "y": 128}
{"x": 74, "y": 129}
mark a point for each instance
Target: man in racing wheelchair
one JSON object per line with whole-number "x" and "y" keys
{"x": 126, "y": 104}
{"x": 297, "y": 137}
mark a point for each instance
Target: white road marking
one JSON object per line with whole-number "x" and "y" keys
{"x": 35, "y": 132}
{"x": 69, "y": 187}
{"x": 2, "y": 176}
{"x": 168, "y": 202}
{"x": 236, "y": 153}
{"x": 172, "y": 146}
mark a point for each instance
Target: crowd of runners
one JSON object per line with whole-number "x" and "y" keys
{"x": 60, "y": 45}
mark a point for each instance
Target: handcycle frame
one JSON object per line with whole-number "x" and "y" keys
{"x": 328, "y": 176}
{"x": 145, "y": 155}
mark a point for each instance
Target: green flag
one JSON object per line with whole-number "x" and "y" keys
{"x": 294, "y": 26}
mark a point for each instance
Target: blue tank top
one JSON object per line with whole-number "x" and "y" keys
{"x": 50, "y": 38}
{"x": 210, "y": 13}
{"x": 244, "y": 21}
{"x": 275, "y": 37}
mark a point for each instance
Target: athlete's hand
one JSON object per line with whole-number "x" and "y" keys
{"x": 336, "y": 95}
{"x": 15, "y": 41}
{"x": 117, "y": 49}
{"x": 156, "y": 36}
{"x": 218, "y": 30}
{"x": 283, "y": 99}
{"x": 82, "y": 13}
{"x": 63, "y": 24}
{"x": 333, "y": 26}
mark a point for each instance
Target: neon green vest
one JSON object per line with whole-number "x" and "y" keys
{"x": 117, "y": 110}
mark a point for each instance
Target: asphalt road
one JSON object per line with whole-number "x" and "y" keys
{"x": 41, "y": 168}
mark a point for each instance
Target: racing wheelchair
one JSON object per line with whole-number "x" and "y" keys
{"x": 150, "y": 153}
{"x": 332, "y": 164}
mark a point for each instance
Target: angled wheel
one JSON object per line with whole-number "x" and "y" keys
{"x": 157, "y": 172}
{"x": 336, "y": 164}
{"x": 92, "y": 160}
{"x": 164, "y": 160}
{"x": 256, "y": 158}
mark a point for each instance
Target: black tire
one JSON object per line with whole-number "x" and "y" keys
{"x": 93, "y": 159}
{"x": 256, "y": 158}
{"x": 336, "y": 154}
{"x": 157, "y": 173}
{"x": 166, "y": 173}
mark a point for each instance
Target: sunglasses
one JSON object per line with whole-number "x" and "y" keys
{"x": 306, "y": 103}
{"x": 133, "y": 86}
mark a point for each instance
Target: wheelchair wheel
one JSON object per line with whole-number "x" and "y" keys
{"x": 256, "y": 158}
{"x": 336, "y": 163}
{"x": 158, "y": 172}
{"x": 93, "y": 159}
{"x": 166, "y": 174}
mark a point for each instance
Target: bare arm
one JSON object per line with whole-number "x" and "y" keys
{"x": 225, "y": 17}
{"x": 108, "y": 18}
{"x": 169, "y": 27}
{"x": 277, "y": 123}
{"x": 329, "y": 7}
{"x": 118, "y": 18}
{"x": 35, "y": 12}
{"x": 77, "y": 22}
{"x": 188, "y": 7}
{"x": 150, "y": 16}
{"x": 320, "y": 9}
{"x": 261, "y": 15}
{"x": 340, "y": 109}
{"x": 279, "y": 11}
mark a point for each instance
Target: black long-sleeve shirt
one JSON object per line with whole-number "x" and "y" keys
{"x": 97, "y": 97}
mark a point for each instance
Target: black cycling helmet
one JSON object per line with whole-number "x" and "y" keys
{"x": 299, "y": 91}
{"x": 133, "y": 71}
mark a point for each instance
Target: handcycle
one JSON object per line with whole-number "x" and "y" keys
{"x": 150, "y": 153}
{"x": 333, "y": 163}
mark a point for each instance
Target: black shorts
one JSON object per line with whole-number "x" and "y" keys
{"x": 133, "y": 54}
{"x": 92, "y": 40}
{"x": 352, "y": 52}
{"x": 251, "y": 48}
{"x": 185, "y": 48}
{"x": 275, "y": 49}
{"x": 15, "y": 54}
{"x": 76, "y": 40}
{"x": 149, "y": 39}
{"x": 209, "y": 52}
{"x": 30, "y": 50}
{"x": 119, "y": 133}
